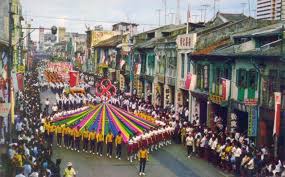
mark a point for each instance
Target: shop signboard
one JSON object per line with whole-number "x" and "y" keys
{"x": 252, "y": 122}
{"x": 250, "y": 102}
{"x": 186, "y": 41}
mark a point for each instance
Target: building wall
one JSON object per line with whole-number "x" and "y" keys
{"x": 4, "y": 20}
{"x": 270, "y": 9}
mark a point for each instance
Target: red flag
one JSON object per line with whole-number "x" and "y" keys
{"x": 276, "y": 129}
{"x": 20, "y": 80}
{"x": 225, "y": 88}
{"x": 73, "y": 78}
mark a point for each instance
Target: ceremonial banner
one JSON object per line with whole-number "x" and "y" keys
{"x": 73, "y": 78}
{"x": 225, "y": 88}
{"x": 20, "y": 79}
{"x": 276, "y": 129}
{"x": 252, "y": 122}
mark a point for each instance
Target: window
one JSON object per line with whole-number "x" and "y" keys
{"x": 252, "y": 79}
{"x": 273, "y": 74}
{"x": 202, "y": 72}
{"x": 188, "y": 64}
{"x": 182, "y": 65}
{"x": 241, "y": 78}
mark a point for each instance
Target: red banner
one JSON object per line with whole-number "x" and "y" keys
{"x": 225, "y": 88}
{"x": 276, "y": 129}
{"x": 73, "y": 78}
{"x": 20, "y": 80}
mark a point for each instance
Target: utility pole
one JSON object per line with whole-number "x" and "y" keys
{"x": 165, "y": 11}
{"x": 243, "y": 4}
{"x": 249, "y": 10}
{"x": 10, "y": 67}
{"x": 215, "y": 7}
{"x": 171, "y": 14}
{"x": 159, "y": 12}
{"x": 178, "y": 20}
{"x": 205, "y": 11}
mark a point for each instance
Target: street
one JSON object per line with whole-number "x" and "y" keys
{"x": 169, "y": 162}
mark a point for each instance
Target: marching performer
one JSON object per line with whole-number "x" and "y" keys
{"x": 92, "y": 140}
{"x": 76, "y": 137}
{"x": 143, "y": 157}
{"x": 85, "y": 136}
{"x": 130, "y": 148}
{"x": 118, "y": 142}
{"x": 109, "y": 142}
{"x": 59, "y": 135}
{"x": 100, "y": 140}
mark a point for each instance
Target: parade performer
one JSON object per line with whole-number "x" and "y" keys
{"x": 109, "y": 142}
{"x": 51, "y": 130}
{"x": 118, "y": 141}
{"x": 100, "y": 140}
{"x": 143, "y": 157}
{"x": 92, "y": 140}
{"x": 59, "y": 135}
{"x": 65, "y": 134}
{"x": 84, "y": 137}
{"x": 77, "y": 135}
{"x": 130, "y": 148}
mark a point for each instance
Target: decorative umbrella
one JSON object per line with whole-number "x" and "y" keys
{"x": 106, "y": 117}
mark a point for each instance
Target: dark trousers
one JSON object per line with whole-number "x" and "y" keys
{"x": 71, "y": 142}
{"x": 100, "y": 147}
{"x": 142, "y": 164}
{"x": 189, "y": 150}
{"x": 77, "y": 143}
{"x": 119, "y": 150}
{"x": 65, "y": 139}
{"x": 85, "y": 144}
{"x": 50, "y": 138}
{"x": 59, "y": 138}
{"x": 92, "y": 146}
{"x": 109, "y": 148}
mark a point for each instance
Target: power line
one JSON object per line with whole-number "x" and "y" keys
{"x": 83, "y": 20}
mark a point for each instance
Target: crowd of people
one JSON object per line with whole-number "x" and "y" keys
{"x": 28, "y": 154}
{"x": 31, "y": 150}
{"x": 230, "y": 151}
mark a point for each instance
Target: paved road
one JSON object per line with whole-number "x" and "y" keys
{"x": 167, "y": 162}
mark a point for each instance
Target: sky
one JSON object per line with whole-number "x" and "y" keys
{"x": 75, "y": 15}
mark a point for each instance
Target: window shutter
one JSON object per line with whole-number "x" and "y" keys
{"x": 237, "y": 77}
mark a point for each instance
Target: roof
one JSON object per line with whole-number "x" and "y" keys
{"x": 264, "y": 31}
{"x": 147, "y": 44}
{"x": 273, "y": 50}
{"x": 111, "y": 42}
{"x": 229, "y": 17}
{"x": 125, "y": 23}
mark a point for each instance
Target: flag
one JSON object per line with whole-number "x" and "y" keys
{"x": 20, "y": 79}
{"x": 74, "y": 78}
{"x": 189, "y": 14}
{"x": 276, "y": 128}
{"x": 225, "y": 88}
{"x": 190, "y": 82}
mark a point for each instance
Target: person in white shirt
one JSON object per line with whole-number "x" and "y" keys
{"x": 189, "y": 144}
{"x": 250, "y": 166}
